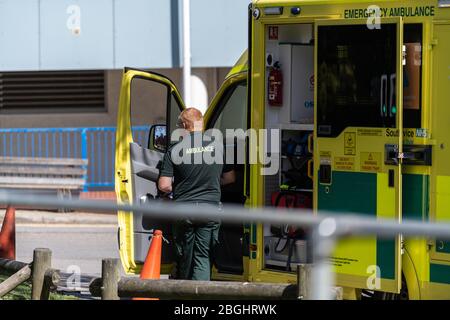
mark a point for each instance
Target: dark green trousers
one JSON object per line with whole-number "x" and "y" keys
{"x": 194, "y": 248}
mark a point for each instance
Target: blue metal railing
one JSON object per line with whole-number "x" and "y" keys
{"x": 95, "y": 144}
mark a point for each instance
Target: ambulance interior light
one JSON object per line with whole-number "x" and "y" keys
{"x": 444, "y": 3}
{"x": 272, "y": 11}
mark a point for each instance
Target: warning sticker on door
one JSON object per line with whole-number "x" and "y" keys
{"x": 344, "y": 163}
{"x": 350, "y": 143}
{"x": 325, "y": 157}
{"x": 370, "y": 161}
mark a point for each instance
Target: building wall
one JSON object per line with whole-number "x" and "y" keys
{"x": 46, "y": 35}
{"x": 110, "y": 34}
{"x": 212, "y": 77}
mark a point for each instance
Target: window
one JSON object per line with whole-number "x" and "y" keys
{"x": 232, "y": 109}
{"x": 356, "y": 78}
{"x": 148, "y": 101}
{"x": 232, "y": 114}
{"x": 153, "y": 103}
{"x": 52, "y": 90}
{"x": 412, "y": 76}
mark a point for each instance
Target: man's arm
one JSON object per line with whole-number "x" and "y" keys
{"x": 165, "y": 184}
{"x": 228, "y": 174}
{"x": 166, "y": 174}
{"x": 228, "y": 177}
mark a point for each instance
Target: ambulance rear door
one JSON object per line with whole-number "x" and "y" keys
{"x": 358, "y": 118}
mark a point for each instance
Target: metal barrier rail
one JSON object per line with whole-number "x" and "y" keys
{"x": 328, "y": 227}
{"x": 95, "y": 144}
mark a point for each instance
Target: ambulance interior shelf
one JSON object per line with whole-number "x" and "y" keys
{"x": 296, "y": 168}
{"x": 285, "y": 245}
{"x": 289, "y": 108}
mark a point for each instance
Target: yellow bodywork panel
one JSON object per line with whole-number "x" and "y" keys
{"x": 240, "y": 67}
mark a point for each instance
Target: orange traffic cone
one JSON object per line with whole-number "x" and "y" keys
{"x": 152, "y": 264}
{"x": 8, "y": 235}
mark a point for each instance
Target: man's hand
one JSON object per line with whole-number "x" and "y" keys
{"x": 165, "y": 184}
{"x": 228, "y": 178}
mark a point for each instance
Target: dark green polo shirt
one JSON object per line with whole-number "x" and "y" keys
{"x": 196, "y": 179}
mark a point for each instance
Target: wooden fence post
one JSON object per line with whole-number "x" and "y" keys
{"x": 110, "y": 279}
{"x": 304, "y": 281}
{"x": 42, "y": 260}
{"x": 51, "y": 280}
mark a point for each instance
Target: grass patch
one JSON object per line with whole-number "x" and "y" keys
{"x": 23, "y": 292}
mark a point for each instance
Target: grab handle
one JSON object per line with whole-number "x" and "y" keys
{"x": 310, "y": 143}
{"x": 311, "y": 169}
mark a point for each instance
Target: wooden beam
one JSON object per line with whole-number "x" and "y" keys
{"x": 214, "y": 290}
{"x": 188, "y": 289}
{"x": 9, "y": 267}
{"x": 15, "y": 280}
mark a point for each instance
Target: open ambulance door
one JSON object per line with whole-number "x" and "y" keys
{"x": 358, "y": 139}
{"x": 137, "y": 164}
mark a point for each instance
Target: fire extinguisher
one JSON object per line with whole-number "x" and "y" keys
{"x": 275, "y": 84}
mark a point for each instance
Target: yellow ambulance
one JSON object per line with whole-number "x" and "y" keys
{"x": 357, "y": 91}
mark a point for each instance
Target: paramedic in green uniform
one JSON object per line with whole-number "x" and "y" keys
{"x": 195, "y": 182}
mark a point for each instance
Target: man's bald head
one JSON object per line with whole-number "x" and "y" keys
{"x": 191, "y": 119}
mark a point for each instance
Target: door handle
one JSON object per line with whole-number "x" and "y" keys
{"x": 391, "y": 178}
{"x": 325, "y": 174}
{"x": 122, "y": 177}
{"x": 419, "y": 155}
{"x": 392, "y": 154}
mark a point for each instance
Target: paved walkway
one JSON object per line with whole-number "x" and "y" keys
{"x": 24, "y": 217}
{"x": 78, "y": 240}
{"x": 77, "y": 249}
